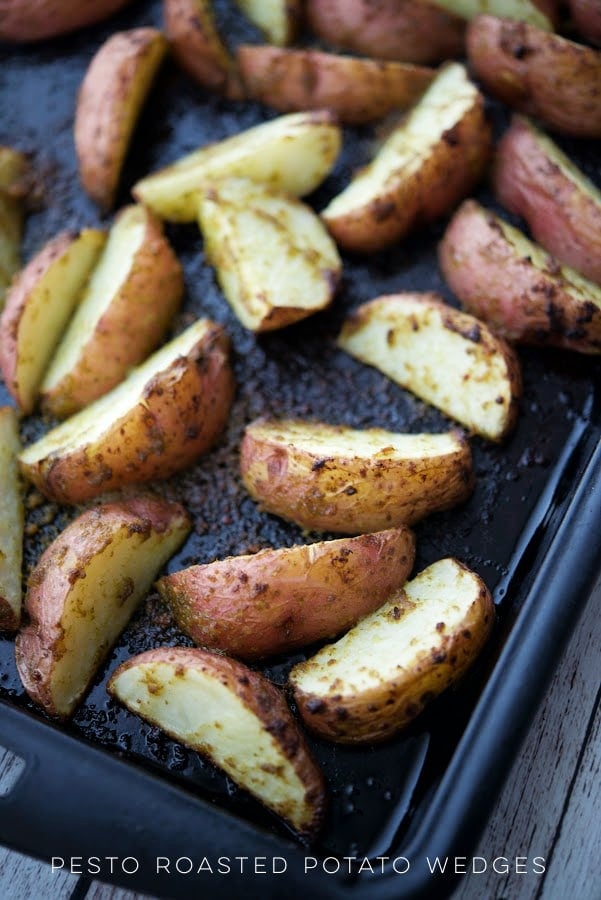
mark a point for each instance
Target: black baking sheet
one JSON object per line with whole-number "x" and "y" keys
{"x": 379, "y": 794}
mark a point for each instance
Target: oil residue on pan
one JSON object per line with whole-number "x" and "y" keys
{"x": 296, "y": 372}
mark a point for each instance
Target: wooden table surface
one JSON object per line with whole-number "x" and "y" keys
{"x": 550, "y": 807}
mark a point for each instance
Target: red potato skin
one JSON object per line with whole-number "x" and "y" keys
{"x": 561, "y": 217}
{"x": 35, "y": 20}
{"x": 587, "y": 19}
{"x": 519, "y": 301}
{"x": 276, "y": 601}
{"x": 538, "y": 73}
{"x": 408, "y": 30}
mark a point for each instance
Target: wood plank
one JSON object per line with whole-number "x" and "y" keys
{"x": 22, "y": 878}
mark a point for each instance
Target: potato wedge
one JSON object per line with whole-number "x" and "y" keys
{"x": 38, "y": 307}
{"x": 84, "y": 590}
{"x": 278, "y": 600}
{"x": 159, "y": 420}
{"x": 427, "y": 164}
{"x": 275, "y": 261}
{"x": 511, "y": 283}
{"x": 383, "y": 673}
{"x": 586, "y": 15}
{"x": 110, "y": 99}
{"x": 292, "y": 153}
{"x": 13, "y": 187}
{"x": 11, "y": 522}
{"x": 334, "y": 478}
{"x": 233, "y": 716}
{"x": 198, "y": 48}
{"x": 356, "y": 90}
{"x": 538, "y": 73}
{"x": 410, "y": 30}
{"x": 541, "y": 13}
{"x": 35, "y": 20}
{"x": 277, "y": 19}
{"x": 445, "y": 357}
{"x": 138, "y": 280}
{"x": 534, "y": 179}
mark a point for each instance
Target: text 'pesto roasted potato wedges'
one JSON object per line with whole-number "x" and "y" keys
{"x": 383, "y": 672}
{"x": 35, "y": 20}
{"x": 292, "y": 153}
{"x": 14, "y": 174}
{"x": 110, "y": 99}
{"x": 515, "y": 286}
{"x": 125, "y": 310}
{"x": 11, "y": 521}
{"x": 274, "y": 259}
{"x": 278, "y": 600}
{"x": 277, "y": 19}
{"x": 159, "y": 420}
{"x": 534, "y": 179}
{"x": 334, "y": 478}
{"x": 84, "y": 590}
{"x": 428, "y": 163}
{"x": 233, "y": 716}
{"x": 445, "y": 357}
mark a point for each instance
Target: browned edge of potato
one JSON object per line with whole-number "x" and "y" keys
{"x": 515, "y": 286}
{"x": 278, "y": 600}
{"x": 533, "y": 178}
{"x": 130, "y": 300}
{"x": 378, "y": 677}
{"x": 85, "y": 588}
{"x": 358, "y": 90}
{"x": 446, "y": 357}
{"x": 167, "y": 412}
{"x": 538, "y": 73}
{"x": 11, "y": 522}
{"x": 35, "y": 20}
{"x": 235, "y": 717}
{"x": 587, "y": 19}
{"x": 334, "y": 478}
{"x": 109, "y": 102}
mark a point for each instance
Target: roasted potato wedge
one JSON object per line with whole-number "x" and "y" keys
{"x": 11, "y": 522}
{"x": 278, "y": 600}
{"x": 410, "y": 30}
{"x": 533, "y": 178}
{"x": 247, "y": 227}
{"x": 538, "y": 73}
{"x": 84, "y": 590}
{"x": 541, "y": 13}
{"x": 110, "y": 99}
{"x": 356, "y": 90}
{"x": 292, "y": 153}
{"x": 587, "y": 18}
{"x": 38, "y": 307}
{"x": 511, "y": 283}
{"x": 198, "y": 48}
{"x": 445, "y": 357}
{"x": 233, "y": 716}
{"x": 13, "y": 186}
{"x": 159, "y": 420}
{"x": 34, "y": 20}
{"x": 381, "y": 674}
{"x": 137, "y": 281}
{"x": 277, "y": 19}
{"x": 334, "y": 478}
{"x": 427, "y": 164}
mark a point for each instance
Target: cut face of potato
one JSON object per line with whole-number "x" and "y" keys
{"x": 138, "y": 280}
{"x": 85, "y": 589}
{"x": 159, "y": 420}
{"x": 110, "y": 99}
{"x": 334, "y": 478}
{"x": 445, "y": 357}
{"x": 279, "y": 600}
{"x": 275, "y": 261}
{"x": 277, "y": 19}
{"x": 35, "y": 20}
{"x": 11, "y": 521}
{"x": 511, "y": 283}
{"x": 236, "y": 718}
{"x": 383, "y": 672}
{"x": 428, "y": 163}
{"x": 533, "y": 178}
{"x": 13, "y": 177}
{"x": 356, "y": 90}
{"x": 537, "y": 12}
{"x": 38, "y": 307}
{"x": 293, "y": 153}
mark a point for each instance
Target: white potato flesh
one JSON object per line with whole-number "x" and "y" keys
{"x": 523, "y": 10}
{"x": 275, "y": 18}
{"x": 450, "y": 96}
{"x": 275, "y": 261}
{"x": 11, "y": 520}
{"x": 293, "y": 153}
